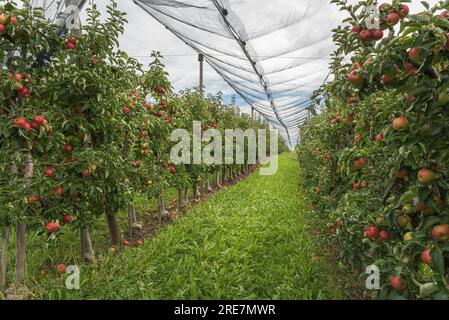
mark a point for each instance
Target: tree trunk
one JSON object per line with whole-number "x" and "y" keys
{"x": 4, "y": 258}
{"x": 186, "y": 197}
{"x": 87, "y": 252}
{"x": 217, "y": 179}
{"x": 114, "y": 229}
{"x": 195, "y": 189}
{"x": 161, "y": 205}
{"x": 19, "y": 274}
{"x": 179, "y": 198}
{"x": 132, "y": 220}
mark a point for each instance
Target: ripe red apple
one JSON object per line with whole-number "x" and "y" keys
{"x": 398, "y": 283}
{"x": 67, "y": 218}
{"x": 318, "y": 190}
{"x": 18, "y": 77}
{"x": 416, "y": 55}
{"x": 12, "y": 20}
{"x": 441, "y": 233}
{"x": 148, "y": 106}
{"x": 392, "y": 19}
{"x": 39, "y": 120}
{"x": 426, "y": 257}
{"x": 138, "y": 243}
{"x": 86, "y": 173}
{"x": 355, "y": 29}
{"x": 125, "y": 243}
{"x": 143, "y": 133}
{"x": 69, "y": 45}
{"x": 51, "y": 227}
{"x": 379, "y": 137}
{"x": 126, "y": 110}
{"x": 58, "y": 191}
{"x": 357, "y": 138}
{"x": 359, "y": 163}
{"x": 68, "y": 148}
{"x": 384, "y": 235}
{"x": 356, "y": 186}
{"x": 400, "y": 123}
{"x": 160, "y": 90}
{"x": 24, "y": 92}
{"x": 355, "y": 78}
{"x": 2, "y": 19}
{"x": 49, "y": 172}
{"x": 61, "y": 268}
{"x": 426, "y": 176}
{"x": 405, "y": 10}
{"x": 2, "y": 28}
{"x": 33, "y": 199}
{"x": 372, "y": 232}
{"x": 137, "y": 164}
{"x": 366, "y": 35}
{"x": 378, "y": 34}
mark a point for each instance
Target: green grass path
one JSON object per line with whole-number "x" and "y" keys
{"x": 246, "y": 242}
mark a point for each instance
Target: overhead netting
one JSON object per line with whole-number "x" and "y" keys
{"x": 61, "y": 12}
{"x": 272, "y": 53}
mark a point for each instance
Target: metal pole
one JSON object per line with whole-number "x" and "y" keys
{"x": 201, "y": 60}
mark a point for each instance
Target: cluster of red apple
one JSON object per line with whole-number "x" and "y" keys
{"x": 36, "y": 123}
{"x": 373, "y": 233}
{"x": 4, "y": 22}
{"x": 361, "y": 185}
{"x": 389, "y": 18}
{"x": 70, "y": 44}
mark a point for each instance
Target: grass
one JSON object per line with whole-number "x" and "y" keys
{"x": 249, "y": 241}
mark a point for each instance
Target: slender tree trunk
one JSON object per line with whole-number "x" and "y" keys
{"x": 217, "y": 174}
{"x": 114, "y": 229}
{"x": 179, "y": 198}
{"x": 195, "y": 190}
{"x": 202, "y": 187}
{"x": 161, "y": 205}
{"x": 186, "y": 197}
{"x": 87, "y": 252}
{"x": 132, "y": 219}
{"x": 4, "y": 258}
{"x": 19, "y": 274}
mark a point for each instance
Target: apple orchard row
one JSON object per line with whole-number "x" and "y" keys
{"x": 383, "y": 143}
{"x": 85, "y": 130}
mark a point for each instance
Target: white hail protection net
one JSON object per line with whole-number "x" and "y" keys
{"x": 274, "y": 54}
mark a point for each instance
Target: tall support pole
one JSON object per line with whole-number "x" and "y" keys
{"x": 252, "y": 113}
{"x": 201, "y": 60}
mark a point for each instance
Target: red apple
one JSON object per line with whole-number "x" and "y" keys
{"x": 49, "y": 172}
{"x": 392, "y": 19}
{"x": 405, "y": 10}
{"x": 68, "y": 148}
{"x": 426, "y": 257}
{"x": 138, "y": 243}
{"x": 125, "y": 243}
{"x": 2, "y": 28}
{"x": 52, "y": 227}
{"x": 398, "y": 283}
{"x": 378, "y": 34}
{"x": 426, "y": 176}
{"x": 379, "y": 137}
{"x": 366, "y": 34}
{"x": 384, "y": 235}
{"x": 24, "y": 92}
{"x": 372, "y": 232}
{"x": 126, "y": 110}
{"x": 355, "y": 78}
{"x": 400, "y": 123}
{"x": 355, "y": 29}
{"x": 61, "y": 268}
{"x": 441, "y": 233}
{"x": 67, "y": 218}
